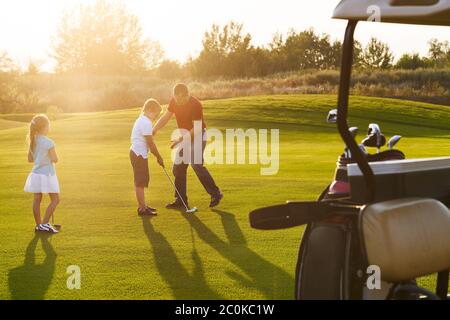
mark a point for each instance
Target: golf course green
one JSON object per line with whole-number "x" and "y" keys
{"x": 213, "y": 254}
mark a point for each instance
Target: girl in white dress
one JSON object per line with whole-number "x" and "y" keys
{"x": 42, "y": 178}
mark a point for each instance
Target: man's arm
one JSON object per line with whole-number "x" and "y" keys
{"x": 154, "y": 150}
{"x": 163, "y": 121}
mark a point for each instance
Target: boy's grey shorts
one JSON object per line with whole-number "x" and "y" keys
{"x": 140, "y": 169}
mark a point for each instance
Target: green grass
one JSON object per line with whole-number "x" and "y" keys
{"x": 8, "y": 124}
{"x": 214, "y": 254}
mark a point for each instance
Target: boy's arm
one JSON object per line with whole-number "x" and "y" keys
{"x": 163, "y": 121}
{"x": 154, "y": 150}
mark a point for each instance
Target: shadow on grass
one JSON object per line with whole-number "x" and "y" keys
{"x": 31, "y": 281}
{"x": 184, "y": 286}
{"x": 269, "y": 279}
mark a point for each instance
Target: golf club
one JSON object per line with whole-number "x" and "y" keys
{"x": 374, "y": 129}
{"x": 375, "y": 141}
{"x": 57, "y": 226}
{"x": 393, "y": 141}
{"x": 363, "y": 148}
{"x": 193, "y": 210}
{"x": 332, "y": 116}
{"x": 353, "y": 131}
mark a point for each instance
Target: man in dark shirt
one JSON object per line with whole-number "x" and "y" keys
{"x": 188, "y": 110}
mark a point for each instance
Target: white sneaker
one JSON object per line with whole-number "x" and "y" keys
{"x": 41, "y": 228}
{"x": 46, "y": 228}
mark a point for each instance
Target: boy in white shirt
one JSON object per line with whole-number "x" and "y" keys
{"x": 141, "y": 143}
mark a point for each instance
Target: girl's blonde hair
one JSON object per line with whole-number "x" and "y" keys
{"x": 37, "y": 124}
{"x": 151, "y": 105}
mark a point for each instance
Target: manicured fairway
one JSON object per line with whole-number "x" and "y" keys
{"x": 214, "y": 254}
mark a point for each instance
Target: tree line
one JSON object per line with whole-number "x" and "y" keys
{"x": 104, "y": 38}
{"x": 227, "y": 52}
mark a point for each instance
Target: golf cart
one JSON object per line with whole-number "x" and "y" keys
{"x": 385, "y": 220}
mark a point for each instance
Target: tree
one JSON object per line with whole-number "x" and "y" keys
{"x": 103, "y": 38}
{"x": 377, "y": 55}
{"x": 34, "y": 67}
{"x": 301, "y": 50}
{"x": 357, "y": 54}
{"x": 225, "y": 52}
{"x": 263, "y": 62}
{"x": 169, "y": 69}
{"x": 7, "y": 64}
{"x": 9, "y": 94}
{"x": 8, "y": 83}
{"x": 333, "y": 55}
{"x": 307, "y": 50}
{"x": 439, "y": 53}
{"x": 412, "y": 62}
{"x": 277, "y": 54}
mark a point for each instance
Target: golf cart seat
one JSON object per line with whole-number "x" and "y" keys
{"x": 426, "y": 12}
{"x": 407, "y": 238}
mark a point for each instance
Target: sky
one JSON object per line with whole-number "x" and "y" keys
{"x": 27, "y": 26}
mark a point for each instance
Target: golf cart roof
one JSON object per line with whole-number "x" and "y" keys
{"x": 425, "y": 12}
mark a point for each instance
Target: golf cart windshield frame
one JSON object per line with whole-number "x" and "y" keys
{"x": 343, "y": 99}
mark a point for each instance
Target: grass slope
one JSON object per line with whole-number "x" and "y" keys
{"x": 214, "y": 254}
{"x": 8, "y": 124}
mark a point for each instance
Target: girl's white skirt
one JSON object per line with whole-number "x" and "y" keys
{"x": 41, "y": 183}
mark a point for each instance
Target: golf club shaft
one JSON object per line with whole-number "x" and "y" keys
{"x": 176, "y": 190}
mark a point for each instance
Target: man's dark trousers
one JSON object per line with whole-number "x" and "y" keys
{"x": 180, "y": 173}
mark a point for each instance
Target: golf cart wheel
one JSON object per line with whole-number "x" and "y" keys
{"x": 321, "y": 263}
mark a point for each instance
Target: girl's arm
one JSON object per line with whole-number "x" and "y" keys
{"x": 53, "y": 155}
{"x": 30, "y": 156}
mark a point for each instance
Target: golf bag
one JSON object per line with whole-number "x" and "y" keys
{"x": 340, "y": 187}
{"x": 329, "y": 257}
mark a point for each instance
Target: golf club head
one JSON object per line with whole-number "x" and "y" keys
{"x": 353, "y": 131}
{"x": 393, "y": 141}
{"x": 373, "y": 128}
{"x": 192, "y": 210}
{"x": 374, "y": 140}
{"x": 57, "y": 227}
{"x": 332, "y": 116}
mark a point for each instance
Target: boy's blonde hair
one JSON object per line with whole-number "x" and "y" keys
{"x": 152, "y": 105}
